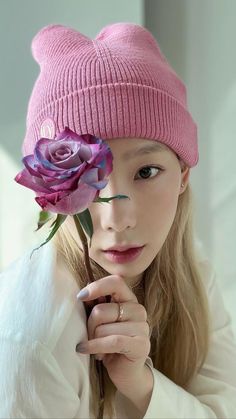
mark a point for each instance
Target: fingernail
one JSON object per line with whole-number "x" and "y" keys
{"x": 84, "y": 293}
{"x": 80, "y": 347}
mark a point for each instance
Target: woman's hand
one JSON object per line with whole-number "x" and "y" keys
{"x": 123, "y": 345}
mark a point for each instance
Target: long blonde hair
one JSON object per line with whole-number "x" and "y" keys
{"x": 174, "y": 298}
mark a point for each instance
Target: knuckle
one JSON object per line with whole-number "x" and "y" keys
{"x": 94, "y": 317}
{"x": 148, "y": 348}
{"x": 116, "y": 341}
{"x": 146, "y": 344}
{"x": 143, "y": 311}
{"x": 97, "y": 311}
{"x": 146, "y": 328}
{"x": 99, "y": 332}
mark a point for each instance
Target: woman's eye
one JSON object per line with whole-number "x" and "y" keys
{"x": 146, "y": 171}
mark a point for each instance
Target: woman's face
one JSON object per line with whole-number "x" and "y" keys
{"x": 145, "y": 218}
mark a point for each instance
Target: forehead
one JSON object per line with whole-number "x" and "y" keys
{"x": 127, "y": 148}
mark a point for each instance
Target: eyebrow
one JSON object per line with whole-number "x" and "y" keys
{"x": 147, "y": 149}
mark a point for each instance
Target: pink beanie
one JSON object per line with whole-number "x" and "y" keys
{"x": 116, "y": 85}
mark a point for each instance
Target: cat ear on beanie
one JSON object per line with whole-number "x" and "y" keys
{"x": 139, "y": 36}
{"x": 55, "y": 40}
{"x": 135, "y": 40}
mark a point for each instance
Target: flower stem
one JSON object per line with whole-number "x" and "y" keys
{"x": 99, "y": 364}
{"x": 85, "y": 247}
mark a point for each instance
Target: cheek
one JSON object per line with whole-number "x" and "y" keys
{"x": 161, "y": 210}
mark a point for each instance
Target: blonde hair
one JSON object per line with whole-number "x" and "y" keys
{"x": 174, "y": 297}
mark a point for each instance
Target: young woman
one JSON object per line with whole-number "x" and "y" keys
{"x": 165, "y": 338}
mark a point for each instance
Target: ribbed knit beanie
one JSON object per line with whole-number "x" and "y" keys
{"x": 116, "y": 85}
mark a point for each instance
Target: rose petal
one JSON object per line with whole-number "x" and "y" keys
{"x": 69, "y": 204}
{"x": 55, "y": 144}
{"x": 59, "y": 173}
{"x": 54, "y": 174}
{"x": 41, "y": 148}
{"x": 66, "y": 161}
{"x": 26, "y": 179}
{"x": 91, "y": 178}
{"x": 82, "y": 154}
{"x": 70, "y": 183}
{"x": 100, "y": 184}
{"x": 103, "y": 159}
{"x": 67, "y": 133}
{"x": 30, "y": 164}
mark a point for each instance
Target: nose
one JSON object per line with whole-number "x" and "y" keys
{"x": 117, "y": 214}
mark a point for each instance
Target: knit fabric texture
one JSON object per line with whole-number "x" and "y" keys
{"x": 114, "y": 86}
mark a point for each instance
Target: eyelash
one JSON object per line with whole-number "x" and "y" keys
{"x": 152, "y": 167}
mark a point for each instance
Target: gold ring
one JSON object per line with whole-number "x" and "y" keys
{"x": 121, "y": 312}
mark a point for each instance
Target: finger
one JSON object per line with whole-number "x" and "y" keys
{"x": 131, "y": 329}
{"x": 132, "y": 347}
{"x": 108, "y": 313}
{"x": 113, "y": 285}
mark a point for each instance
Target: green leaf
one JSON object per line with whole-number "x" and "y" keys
{"x": 86, "y": 221}
{"x": 44, "y": 217}
{"x": 57, "y": 223}
{"x": 109, "y": 199}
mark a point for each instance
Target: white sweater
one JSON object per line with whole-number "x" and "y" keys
{"x": 42, "y": 376}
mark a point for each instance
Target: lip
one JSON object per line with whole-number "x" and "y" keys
{"x": 123, "y": 248}
{"x": 123, "y": 257}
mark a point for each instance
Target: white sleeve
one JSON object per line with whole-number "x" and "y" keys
{"x": 212, "y": 393}
{"x": 32, "y": 384}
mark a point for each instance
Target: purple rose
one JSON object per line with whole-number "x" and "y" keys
{"x": 67, "y": 173}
